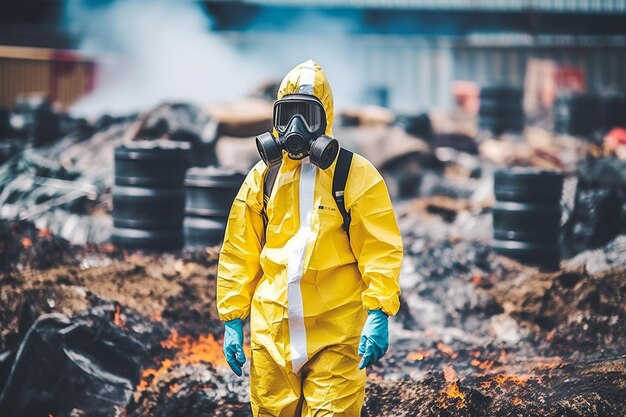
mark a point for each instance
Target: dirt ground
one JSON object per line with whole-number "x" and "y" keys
{"x": 519, "y": 343}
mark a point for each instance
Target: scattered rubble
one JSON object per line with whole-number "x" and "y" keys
{"x": 586, "y": 389}
{"x": 22, "y": 245}
{"x": 477, "y": 333}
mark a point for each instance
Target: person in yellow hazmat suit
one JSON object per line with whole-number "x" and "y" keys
{"x": 318, "y": 289}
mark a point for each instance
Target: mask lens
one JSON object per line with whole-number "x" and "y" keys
{"x": 313, "y": 117}
{"x": 310, "y": 111}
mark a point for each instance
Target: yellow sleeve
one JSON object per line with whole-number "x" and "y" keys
{"x": 376, "y": 241}
{"x": 239, "y": 267}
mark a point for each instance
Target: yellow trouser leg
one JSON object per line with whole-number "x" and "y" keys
{"x": 332, "y": 383}
{"x": 274, "y": 391}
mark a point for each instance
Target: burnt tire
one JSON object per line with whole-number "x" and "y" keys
{"x": 211, "y": 191}
{"x": 501, "y": 109}
{"x": 158, "y": 163}
{"x": 527, "y": 215}
{"x": 495, "y": 108}
{"x": 528, "y": 185}
{"x": 209, "y": 195}
{"x": 501, "y": 124}
{"x": 526, "y": 222}
{"x": 8, "y": 148}
{"x": 203, "y": 231}
{"x": 577, "y": 114}
{"x": 149, "y": 194}
{"x": 543, "y": 254}
{"x": 151, "y": 239}
{"x": 5, "y": 127}
{"x": 148, "y": 207}
{"x": 501, "y": 93}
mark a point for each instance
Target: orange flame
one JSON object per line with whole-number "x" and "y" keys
{"x": 447, "y": 350}
{"x": 449, "y": 374}
{"x": 502, "y": 358}
{"x": 156, "y": 316}
{"x": 26, "y": 242}
{"x": 519, "y": 380}
{"x": 194, "y": 351}
{"x": 44, "y": 232}
{"x": 550, "y": 335}
{"x": 517, "y": 401}
{"x": 418, "y": 355}
{"x": 477, "y": 279}
{"x": 452, "y": 396}
{"x": 173, "y": 389}
{"x": 117, "y": 317}
{"x": 190, "y": 351}
{"x": 482, "y": 365}
{"x": 453, "y": 391}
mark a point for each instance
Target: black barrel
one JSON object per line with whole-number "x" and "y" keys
{"x": 8, "y": 148}
{"x": 545, "y": 255}
{"x": 528, "y": 185}
{"x": 527, "y": 216}
{"x": 612, "y": 111}
{"x": 152, "y": 163}
{"x": 589, "y": 116}
{"x": 501, "y": 109}
{"x": 148, "y": 195}
{"x": 148, "y": 207}
{"x": 526, "y": 222}
{"x": 577, "y": 115}
{"x": 209, "y": 196}
{"x": 5, "y": 127}
{"x": 33, "y": 118}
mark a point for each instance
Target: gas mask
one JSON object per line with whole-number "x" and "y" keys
{"x": 300, "y": 121}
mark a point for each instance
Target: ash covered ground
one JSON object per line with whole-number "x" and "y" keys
{"x": 477, "y": 333}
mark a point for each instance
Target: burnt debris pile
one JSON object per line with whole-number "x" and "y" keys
{"x": 89, "y": 326}
{"x": 65, "y": 185}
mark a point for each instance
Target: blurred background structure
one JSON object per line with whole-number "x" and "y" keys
{"x": 402, "y": 54}
{"x": 418, "y": 85}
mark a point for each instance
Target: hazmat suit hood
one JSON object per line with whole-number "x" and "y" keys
{"x": 309, "y": 78}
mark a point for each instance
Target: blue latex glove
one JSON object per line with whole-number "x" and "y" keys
{"x": 233, "y": 345}
{"x": 374, "y": 338}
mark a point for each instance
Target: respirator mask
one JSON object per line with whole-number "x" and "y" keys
{"x": 300, "y": 121}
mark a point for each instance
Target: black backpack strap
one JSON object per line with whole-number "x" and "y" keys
{"x": 268, "y": 185}
{"x": 339, "y": 185}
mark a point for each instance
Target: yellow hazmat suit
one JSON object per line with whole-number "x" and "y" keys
{"x": 306, "y": 286}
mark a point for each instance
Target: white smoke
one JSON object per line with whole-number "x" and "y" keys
{"x": 155, "y": 50}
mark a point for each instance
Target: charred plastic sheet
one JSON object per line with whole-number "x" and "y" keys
{"x": 599, "y": 213}
{"x": 86, "y": 363}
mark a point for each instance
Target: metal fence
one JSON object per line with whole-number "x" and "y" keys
{"x": 546, "y": 6}
{"x": 418, "y": 72}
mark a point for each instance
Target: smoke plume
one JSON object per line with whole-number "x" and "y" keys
{"x": 150, "y": 51}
